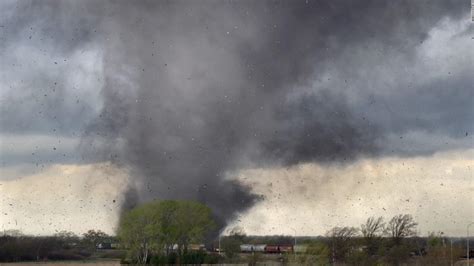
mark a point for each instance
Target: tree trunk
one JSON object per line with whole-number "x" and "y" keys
{"x": 145, "y": 253}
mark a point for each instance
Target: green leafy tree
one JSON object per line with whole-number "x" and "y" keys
{"x": 139, "y": 231}
{"x": 192, "y": 222}
{"x": 161, "y": 227}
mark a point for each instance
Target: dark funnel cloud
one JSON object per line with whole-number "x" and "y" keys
{"x": 194, "y": 91}
{"x": 197, "y": 89}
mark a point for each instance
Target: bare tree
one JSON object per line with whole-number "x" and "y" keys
{"x": 372, "y": 227}
{"x": 341, "y": 238}
{"x": 372, "y": 231}
{"x": 401, "y": 226}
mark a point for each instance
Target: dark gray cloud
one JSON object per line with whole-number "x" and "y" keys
{"x": 194, "y": 90}
{"x": 47, "y": 85}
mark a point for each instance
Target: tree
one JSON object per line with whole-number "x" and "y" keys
{"x": 92, "y": 238}
{"x": 372, "y": 227}
{"x": 231, "y": 246}
{"x": 138, "y": 231}
{"x": 164, "y": 226}
{"x": 401, "y": 226}
{"x": 67, "y": 235}
{"x": 438, "y": 250}
{"x": 372, "y": 231}
{"x": 340, "y": 241}
{"x": 231, "y": 243}
{"x": 397, "y": 254}
{"x": 192, "y": 222}
{"x": 12, "y": 232}
{"x": 66, "y": 238}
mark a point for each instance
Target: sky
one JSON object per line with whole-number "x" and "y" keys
{"x": 285, "y": 117}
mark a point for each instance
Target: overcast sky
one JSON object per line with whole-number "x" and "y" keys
{"x": 282, "y": 116}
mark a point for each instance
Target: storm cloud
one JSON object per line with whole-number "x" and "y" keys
{"x": 185, "y": 92}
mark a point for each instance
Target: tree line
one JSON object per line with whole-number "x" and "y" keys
{"x": 163, "y": 232}
{"x": 375, "y": 242}
{"x": 64, "y": 245}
